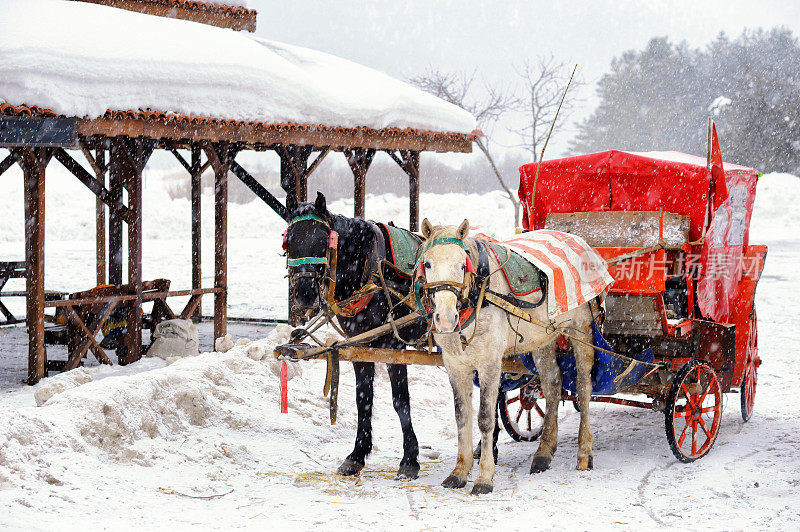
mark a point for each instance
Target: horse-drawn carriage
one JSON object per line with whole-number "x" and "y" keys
{"x": 684, "y": 287}
{"x": 676, "y": 331}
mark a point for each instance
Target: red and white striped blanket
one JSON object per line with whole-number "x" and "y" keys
{"x": 576, "y": 273}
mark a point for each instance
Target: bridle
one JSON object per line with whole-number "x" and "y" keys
{"x": 316, "y": 274}
{"x": 424, "y": 291}
{"x": 325, "y": 277}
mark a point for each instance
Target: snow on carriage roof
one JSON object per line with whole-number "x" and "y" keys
{"x": 81, "y": 60}
{"x": 678, "y": 157}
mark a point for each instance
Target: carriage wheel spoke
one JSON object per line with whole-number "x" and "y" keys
{"x": 538, "y": 410}
{"x": 512, "y": 400}
{"x": 689, "y": 401}
{"x": 529, "y": 421}
{"x": 703, "y": 426}
{"x": 694, "y": 438}
{"x": 519, "y": 415}
{"x": 683, "y": 435}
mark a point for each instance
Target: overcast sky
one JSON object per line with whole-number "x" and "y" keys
{"x": 403, "y": 38}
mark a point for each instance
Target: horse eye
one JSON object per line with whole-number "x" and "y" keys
{"x": 427, "y": 265}
{"x": 464, "y": 267}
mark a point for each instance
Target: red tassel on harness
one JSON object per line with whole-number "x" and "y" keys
{"x": 333, "y": 240}
{"x": 284, "y": 388}
{"x": 285, "y": 244}
{"x": 420, "y": 269}
{"x": 470, "y": 267}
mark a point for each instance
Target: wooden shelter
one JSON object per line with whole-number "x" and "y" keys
{"x": 117, "y": 147}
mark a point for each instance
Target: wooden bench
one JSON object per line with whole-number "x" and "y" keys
{"x": 86, "y": 312}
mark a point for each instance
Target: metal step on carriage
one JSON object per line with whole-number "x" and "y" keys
{"x": 679, "y": 326}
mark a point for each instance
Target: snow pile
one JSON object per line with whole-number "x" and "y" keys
{"x": 82, "y": 59}
{"x": 61, "y": 383}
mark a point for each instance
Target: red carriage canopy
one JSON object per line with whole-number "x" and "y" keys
{"x": 679, "y": 183}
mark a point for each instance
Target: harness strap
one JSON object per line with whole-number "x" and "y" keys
{"x": 306, "y": 260}
{"x": 308, "y": 217}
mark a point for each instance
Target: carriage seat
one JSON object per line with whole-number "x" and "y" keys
{"x": 609, "y": 229}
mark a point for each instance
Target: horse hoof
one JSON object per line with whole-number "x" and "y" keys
{"x": 407, "y": 472}
{"x": 453, "y": 482}
{"x": 585, "y": 463}
{"x": 481, "y": 488}
{"x": 540, "y": 463}
{"x": 350, "y": 468}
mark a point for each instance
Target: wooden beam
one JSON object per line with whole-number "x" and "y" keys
{"x": 196, "y": 172}
{"x": 220, "y": 156}
{"x": 138, "y": 158}
{"x": 359, "y": 160}
{"x": 294, "y": 166}
{"x": 89, "y": 181}
{"x": 263, "y": 136}
{"x": 118, "y": 168}
{"x": 100, "y": 218}
{"x": 33, "y": 162}
{"x": 411, "y": 158}
{"x": 258, "y": 189}
{"x": 7, "y": 163}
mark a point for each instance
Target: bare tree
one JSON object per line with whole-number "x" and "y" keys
{"x": 457, "y": 88}
{"x": 543, "y": 82}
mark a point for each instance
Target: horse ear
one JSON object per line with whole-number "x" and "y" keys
{"x": 320, "y": 204}
{"x": 463, "y": 229}
{"x": 427, "y": 228}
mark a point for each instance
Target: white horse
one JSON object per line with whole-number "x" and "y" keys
{"x": 446, "y": 271}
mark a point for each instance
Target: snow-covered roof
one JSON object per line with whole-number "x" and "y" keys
{"x": 83, "y": 59}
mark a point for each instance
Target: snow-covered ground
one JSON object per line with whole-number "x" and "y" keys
{"x": 201, "y": 442}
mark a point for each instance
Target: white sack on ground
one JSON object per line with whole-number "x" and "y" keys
{"x": 174, "y": 338}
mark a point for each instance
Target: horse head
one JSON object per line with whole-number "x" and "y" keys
{"x": 446, "y": 272}
{"x": 306, "y": 244}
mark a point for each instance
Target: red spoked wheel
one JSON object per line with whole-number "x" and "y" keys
{"x": 747, "y": 391}
{"x": 520, "y": 412}
{"x": 694, "y": 411}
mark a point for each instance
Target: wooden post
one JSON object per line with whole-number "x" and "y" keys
{"x": 220, "y": 155}
{"x": 117, "y": 170}
{"x": 294, "y": 173}
{"x": 294, "y": 181}
{"x": 133, "y": 180}
{"x": 133, "y": 155}
{"x": 196, "y": 224}
{"x": 33, "y": 162}
{"x": 100, "y": 218}
{"x": 411, "y": 158}
{"x": 359, "y": 160}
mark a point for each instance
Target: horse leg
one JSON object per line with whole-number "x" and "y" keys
{"x": 584, "y": 360}
{"x": 477, "y": 454}
{"x": 409, "y": 466}
{"x": 550, "y": 378}
{"x": 365, "y": 374}
{"x": 487, "y": 423}
{"x": 461, "y": 382}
